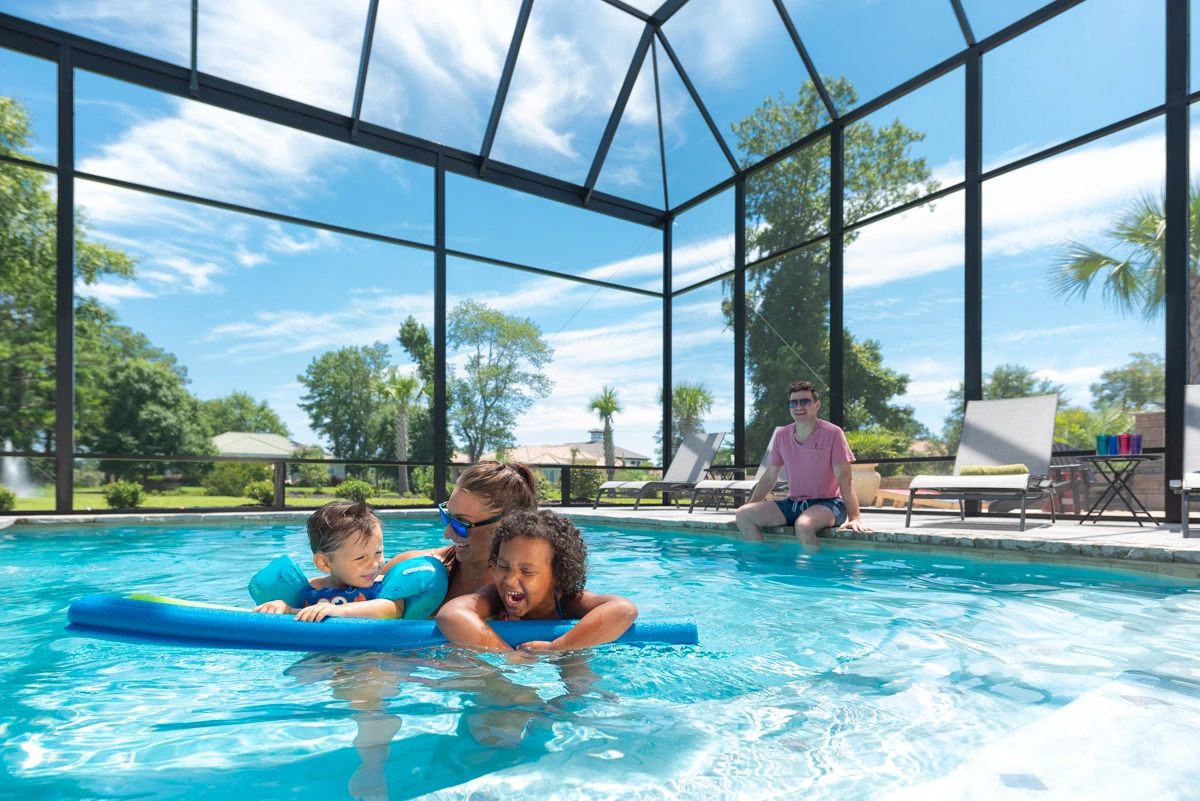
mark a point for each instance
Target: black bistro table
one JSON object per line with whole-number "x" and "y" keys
{"x": 1117, "y": 471}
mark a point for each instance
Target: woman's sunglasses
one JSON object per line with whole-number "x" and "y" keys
{"x": 805, "y": 402}
{"x": 460, "y": 527}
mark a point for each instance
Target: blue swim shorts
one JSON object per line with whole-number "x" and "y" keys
{"x": 793, "y": 509}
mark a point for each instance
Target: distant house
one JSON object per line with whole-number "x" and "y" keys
{"x": 587, "y": 452}
{"x": 267, "y": 447}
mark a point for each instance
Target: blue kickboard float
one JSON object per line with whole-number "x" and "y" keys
{"x": 154, "y": 619}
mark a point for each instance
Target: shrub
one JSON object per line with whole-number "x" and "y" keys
{"x": 544, "y": 487}
{"x": 261, "y": 491}
{"x": 123, "y": 494}
{"x": 354, "y": 490}
{"x": 8, "y": 500}
{"x": 422, "y": 482}
{"x": 230, "y": 478}
{"x": 585, "y": 483}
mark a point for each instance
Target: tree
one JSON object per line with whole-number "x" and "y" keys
{"x": 787, "y": 331}
{"x": 690, "y": 401}
{"x": 149, "y": 411}
{"x": 238, "y": 411}
{"x": 1139, "y": 385}
{"x": 28, "y": 369}
{"x": 606, "y": 404}
{"x": 1133, "y": 273}
{"x": 401, "y": 392}
{"x": 341, "y": 401}
{"x": 505, "y": 358}
{"x": 309, "y": 474}
{"x": 1006, "y": 381}
{"x": 415, "y": 340}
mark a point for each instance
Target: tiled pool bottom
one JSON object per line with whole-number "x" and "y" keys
{"x": 841, "y": 675}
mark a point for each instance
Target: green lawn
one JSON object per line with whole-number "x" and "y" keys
{"x": 90, "y": 499}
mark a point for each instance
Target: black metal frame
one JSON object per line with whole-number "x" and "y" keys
{"x": 72, "y": 52}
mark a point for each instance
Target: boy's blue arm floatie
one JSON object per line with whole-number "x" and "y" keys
{"x": 421, "y": 582}
{"x": 282, "y": 580}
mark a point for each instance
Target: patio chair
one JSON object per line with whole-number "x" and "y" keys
{"x": 718, "y": 488}
{"x": 690, "y": 464}
{"x": 1190, "y": 483}
{"x": 997, "y": 433}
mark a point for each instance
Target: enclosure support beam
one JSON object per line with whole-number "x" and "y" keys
{"x": 1177, "y": 246}
{"x": 973, "y": 241}
{"x": 618, "y": 111}
{"x": 808, "y": 62}
{"x": 668, "y": 385}
{"x": 440, "y": 457}
{"x": 739, "y": 324}
{"x": 837, "y": 237}
{"x": 364, "y": 61}
{"x": 510, "y": 66}
{"x": 64, "y": 343}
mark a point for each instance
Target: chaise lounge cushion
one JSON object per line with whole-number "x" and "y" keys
{"x": 1009, "y": 483}
{"x": 1191, "y": 481}
{"x": 993, "y": 470}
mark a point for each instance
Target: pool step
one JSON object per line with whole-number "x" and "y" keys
{"x": 1132, "y": 737}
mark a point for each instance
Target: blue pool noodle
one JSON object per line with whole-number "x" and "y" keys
{"x": 116, "y": 617}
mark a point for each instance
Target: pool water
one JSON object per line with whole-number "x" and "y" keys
{"x": 845, "y": 674}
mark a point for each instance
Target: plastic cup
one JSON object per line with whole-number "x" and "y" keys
{"x": 1135, "y": 444}
{"x": 1114, "y": 445}
{"x": 1123, "y": 442}
{"x": 1102, "y": 444}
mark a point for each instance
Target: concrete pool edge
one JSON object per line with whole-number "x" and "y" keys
{"x": 1182, "y": 561}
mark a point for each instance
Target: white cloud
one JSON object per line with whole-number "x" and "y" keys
{"x": 280, "y": 242}
{"x": 111, "y": 293}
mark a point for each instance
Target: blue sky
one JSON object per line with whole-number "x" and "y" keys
{"x": 247, "y": 303}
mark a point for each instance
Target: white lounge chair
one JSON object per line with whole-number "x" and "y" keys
{"x": 691, "y": 463}
{"x": 994, "y": 433}
{"x": 1190, "y": 483}
{"x": 718, "y": 488}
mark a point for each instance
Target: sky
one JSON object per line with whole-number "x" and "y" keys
{"x": 247, "y": 303}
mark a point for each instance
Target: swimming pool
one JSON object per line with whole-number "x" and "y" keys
{"x": 850, "y": 673}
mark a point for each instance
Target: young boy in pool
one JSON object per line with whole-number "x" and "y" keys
{"x": 347, "y": 544}
{"x": 540, "y": 568}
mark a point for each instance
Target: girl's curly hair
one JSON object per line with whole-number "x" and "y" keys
{"x": 569, "y": 560}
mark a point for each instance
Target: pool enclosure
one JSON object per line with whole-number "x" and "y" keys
{"x": 375, "y": 233}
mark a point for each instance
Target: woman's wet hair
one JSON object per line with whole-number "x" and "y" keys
{"x": 504, "y": 487}
{"x": 330, "y": 526}
{"x": 569, "y": 560}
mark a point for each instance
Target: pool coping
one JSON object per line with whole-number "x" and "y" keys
{"x": 1182, "y": 561}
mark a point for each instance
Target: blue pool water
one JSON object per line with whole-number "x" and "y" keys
{"x": 845, "y": 674}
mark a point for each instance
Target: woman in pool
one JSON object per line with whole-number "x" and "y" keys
{"x": 484, "y": 495}
{"x": 540, "y": 563}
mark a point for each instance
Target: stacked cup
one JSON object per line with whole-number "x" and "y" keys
{"x": 1135, "y": 445}
{"x": 1102, "y": 444}
{"x": 1123, "y": 442}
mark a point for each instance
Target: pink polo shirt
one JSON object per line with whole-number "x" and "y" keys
{"x": 810, "y": 466}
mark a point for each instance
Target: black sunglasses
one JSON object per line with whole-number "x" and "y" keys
{"x": 460, "y": 527}
{"x": 805, "y": 402}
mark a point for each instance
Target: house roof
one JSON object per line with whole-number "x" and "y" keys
{"x": 244, "y": 443}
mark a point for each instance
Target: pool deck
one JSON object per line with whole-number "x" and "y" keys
{"x": 1118, "y": 543}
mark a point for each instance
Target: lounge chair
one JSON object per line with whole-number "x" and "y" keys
{"x": 690, "y": 464}
{"x": 996, "y": 433}
{"x": 718, "y": 489}
{"x": 1190, "y": 483}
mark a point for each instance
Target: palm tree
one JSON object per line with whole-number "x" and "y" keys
{"x": 690, "y": 401}
{"x": 402, "y": 391}
{"x": 1134, "y": 281}
{"x": 605, "y": 404}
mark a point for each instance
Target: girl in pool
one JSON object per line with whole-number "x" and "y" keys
{"x": 484, "y": 495}
{"x": 540, "y": 568}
